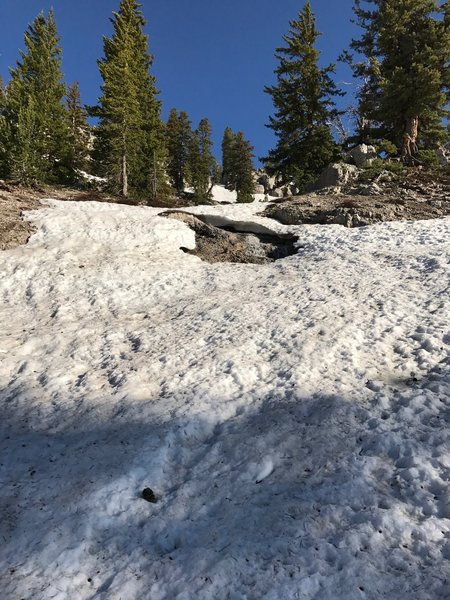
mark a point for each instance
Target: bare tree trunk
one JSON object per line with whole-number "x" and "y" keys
{"x": 410, "y": 134}
{"x": 124, "y": 176}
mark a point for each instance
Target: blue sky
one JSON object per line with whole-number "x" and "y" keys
{"x": 212, "y": 57}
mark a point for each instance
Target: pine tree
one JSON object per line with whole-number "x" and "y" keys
{"x": 38, "y": 146}
{"x": 405, "y": 72}
{"x": 202, "y": 162}
{"x": 4, "y": 132}
{"x": 79, "y": 129}
{"x": 227, "y": 145}
{"x": 130, "y": 134}
{"x": 242, "y": 168}
{"x": 303, "y": 99}
{"x": 179, "y": 136}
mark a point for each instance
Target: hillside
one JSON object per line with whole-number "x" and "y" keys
{"x": 289, "y": 418}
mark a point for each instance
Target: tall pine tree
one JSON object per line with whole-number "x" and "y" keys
{"x": 130, "y": 135}
{"x": 242, "y": 168}
{"x": 80, "y": 134}
{"x": 303, "y": 99}
{"x": 406, "y": 49}
{"x": 202, "y": 162}
{"x": 179, "y": 136}
{"x": 227, "y": 149}
{"x": 38, "y": 144}
{"x": 4, "y": 132}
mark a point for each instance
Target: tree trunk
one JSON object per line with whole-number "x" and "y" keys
{"x": 124, "y": 176}
{"x": 154, "y": 180}
{"x": 410, "y": 134}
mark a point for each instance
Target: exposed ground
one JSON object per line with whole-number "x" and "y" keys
{"x": 415, "y": 196}
{"x": 215, "y": 244}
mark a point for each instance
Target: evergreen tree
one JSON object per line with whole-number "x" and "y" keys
{"x": 303, "y": 99}
{"x": 179, "y": 136}
{"x": 4, "y": 132}
{"x": 79, "y": 129}
{"x": 405, "y": 73}
{"x": 130, "y": 135}
{"x": 241, "y": 168}
{"x": 38, "y": 145}
{"x": 202, "y": 162}
{"x": 227, "y": 146}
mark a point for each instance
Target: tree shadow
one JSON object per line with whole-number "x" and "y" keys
{"x": 292, "y": 498}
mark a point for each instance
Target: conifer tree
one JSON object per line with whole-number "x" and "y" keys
{"x": 303, "y": 99}
{"x": 406, "y": 46}
{"x": 79, "y": 129}
{"x": 227, "y": 148}
{"x": 179, "y": 136}
{"x": 241, "y": 168}
{"x": 130, "y": 134}
{"x": 4, "y": 135}
{"x": 202, "y": 162}
{"x": 38, "y": 145}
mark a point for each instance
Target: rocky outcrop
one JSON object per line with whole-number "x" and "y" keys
{"x": 354, "y": 211}
{"x": 334, "y": 177}
{"x": 362, "y": 155}
{"x": 214, "y": 244}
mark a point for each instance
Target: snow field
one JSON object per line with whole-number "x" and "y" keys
{"x": 292, "y": 418}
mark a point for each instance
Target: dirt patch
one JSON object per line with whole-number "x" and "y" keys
{"x": 217, "y": 244}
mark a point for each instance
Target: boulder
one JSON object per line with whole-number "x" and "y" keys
{"x": 260, "y": 189}
{"x": 443, "y": 154}
{"x": 276, "y": 193}
{"x": 268, "y": 182}
{"x": 363, "y": 155}
{"x": 334, "y": 176}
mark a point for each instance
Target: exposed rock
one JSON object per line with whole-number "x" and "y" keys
{"x": 214, "y": 244}
{"x": 354, "y": 211}
{"x": 362, "y": 155}
{"x": 371, "y": 189}
{"x": 149, "y": 495}
{"x": 276, "y": 193}
{"x": 263, "y": 179}
{"x": 260, "y": 189}
{"x": 443, "y": 154}
{"x": 335, "y": 176}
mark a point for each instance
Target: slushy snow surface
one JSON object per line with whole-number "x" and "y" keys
{"x": 291, "y": 418}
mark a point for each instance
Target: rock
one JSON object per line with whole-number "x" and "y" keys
{"x": 214, "y": 244}
{"x": 363, "y": 155}
{"x": 149, "y": 495}
{"x": 276, "y": 193}
{"x": 370, "y": 189}
{"x": 443, "y": 154}
{"x": 269, "y": 183}
{"x": 260, "y": 189}
{"x": 335, "y": 175}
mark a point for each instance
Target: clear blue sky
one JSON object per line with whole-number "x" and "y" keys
{"x": 212, "y": 57}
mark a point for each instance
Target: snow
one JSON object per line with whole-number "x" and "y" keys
{"x": 291, "y": 418}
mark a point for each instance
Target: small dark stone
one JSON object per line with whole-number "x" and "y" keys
{"x": 149, "y": 495}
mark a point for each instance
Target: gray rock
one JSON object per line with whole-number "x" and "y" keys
{"x": 363, "y": 155}
{"x": 269, "y": 183}
{"x": 335, "y": 175}
{"x": 260, "y": 189}
{"x": 443, "y": 154}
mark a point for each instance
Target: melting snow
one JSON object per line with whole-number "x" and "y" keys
{"x": 291, "y": 418}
